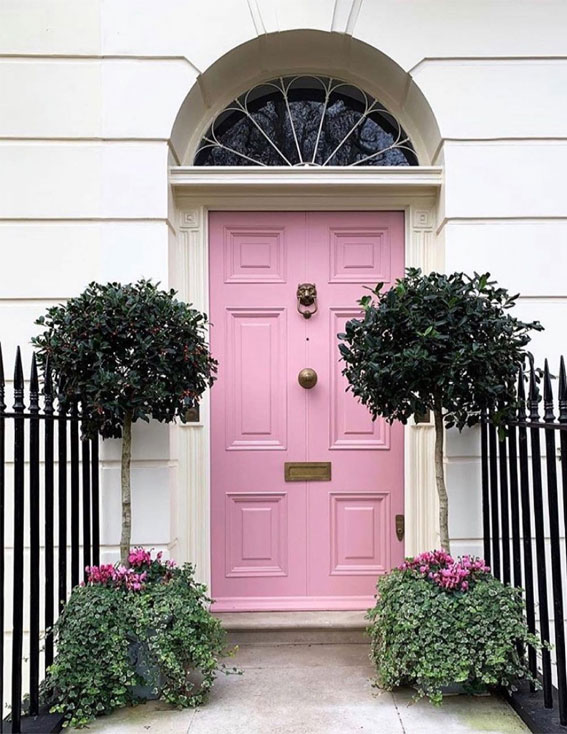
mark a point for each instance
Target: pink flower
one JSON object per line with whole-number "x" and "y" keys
{"x": 442, "y": 569}
{"x": 135, "y": 577}
{"x": 140, "y": 557}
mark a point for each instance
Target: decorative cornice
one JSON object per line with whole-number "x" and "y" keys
{"x": 274, "y": 177}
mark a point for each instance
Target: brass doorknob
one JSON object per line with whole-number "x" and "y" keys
{"x": 307, "y": 378}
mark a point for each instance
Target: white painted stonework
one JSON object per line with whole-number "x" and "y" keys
{"x": 102, "y": 106}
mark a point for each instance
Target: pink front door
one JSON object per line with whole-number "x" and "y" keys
{"x": 280, "y": 544}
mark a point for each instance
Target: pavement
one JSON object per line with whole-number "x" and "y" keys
{"x": 312, "y": 689}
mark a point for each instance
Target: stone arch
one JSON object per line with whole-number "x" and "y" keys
{"x": 304, "y": 51}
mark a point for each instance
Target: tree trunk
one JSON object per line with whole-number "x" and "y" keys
{"x": 440, "y": 478}
{"x": 125, "y": 488}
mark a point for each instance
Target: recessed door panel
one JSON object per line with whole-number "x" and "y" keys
{"x": 256, "y": 534}
{"x": 255, "y": 364}
{"x": 254, "y": 255}
{"x": 359, "y": 533}
{"x": 359, "y": 254}
{"x": 351, "y": 426}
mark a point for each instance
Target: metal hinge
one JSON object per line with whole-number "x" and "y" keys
{"x": 400, "y": 527}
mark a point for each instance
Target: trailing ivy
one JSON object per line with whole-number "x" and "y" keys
{"x": 114, "y": 640}
{"x": 428, "y": 636}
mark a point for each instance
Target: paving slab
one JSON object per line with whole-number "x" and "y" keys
{"x": 312, "y": 689}
{"x": 154, "y": 717}
{"x": 457, "y": 715}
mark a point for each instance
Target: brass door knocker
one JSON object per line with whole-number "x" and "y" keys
{"x": 307, "y": 299}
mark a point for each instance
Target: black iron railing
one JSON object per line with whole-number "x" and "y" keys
{"x": 45, "y": 423}
{"x": 524, "y": 492}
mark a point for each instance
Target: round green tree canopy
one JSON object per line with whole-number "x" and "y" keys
{"x": 435, "y": 342}
{"x": 127, "y": 349}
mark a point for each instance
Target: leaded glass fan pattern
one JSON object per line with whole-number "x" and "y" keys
{"x": 305, "y": 121}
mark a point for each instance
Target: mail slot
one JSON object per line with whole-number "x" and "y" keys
{"x": 307, "y": 471}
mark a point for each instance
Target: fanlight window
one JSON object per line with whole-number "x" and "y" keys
{"x": 305, "y": 121}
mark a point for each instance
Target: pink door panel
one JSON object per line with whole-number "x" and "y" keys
{"x": 295, "y": 545}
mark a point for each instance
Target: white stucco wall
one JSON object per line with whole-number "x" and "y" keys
{"x": 90, "y": 90}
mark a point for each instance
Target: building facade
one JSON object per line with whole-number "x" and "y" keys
{"x": 111, "y": 116}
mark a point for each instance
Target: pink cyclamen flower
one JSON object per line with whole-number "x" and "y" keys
{"x": 135, "y": 577}
{"x": 448, "y": 573}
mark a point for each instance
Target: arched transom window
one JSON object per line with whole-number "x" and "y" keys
{"x": 305, "y": 121}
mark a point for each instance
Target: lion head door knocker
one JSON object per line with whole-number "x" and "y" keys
{"x": 307, "y": 299}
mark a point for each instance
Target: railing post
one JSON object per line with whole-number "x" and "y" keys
{"x": 34, "y": 538}
{"x": 533, "y": 401}
{"x": 18, "y": 578}
{"x": 2, "y": 529}
{"x": 62, "y": 497}
{"x": 74, "y": 433}
{"x": 95, "y": 501}
{"x": 485, "y": 487}
{"x": 504, "y": 510}
{"x": 563, "y": 441}
{"x": 493, "y": 471}
{"x": 553, "y": 506}
{"x": 86, "y": 477}
{"x": 514, "y": 505}
{"x": 48, "y": 512}
{"x": 526, "y": 518}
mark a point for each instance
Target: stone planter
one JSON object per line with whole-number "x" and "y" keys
{"x": 145, "y": 667}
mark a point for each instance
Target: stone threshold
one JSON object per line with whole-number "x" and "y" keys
{"x": 261, "y": 628}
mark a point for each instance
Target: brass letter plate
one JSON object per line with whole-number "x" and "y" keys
{"x": 307, "y": 471}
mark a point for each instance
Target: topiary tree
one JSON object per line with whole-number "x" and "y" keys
{"x": 128, "y": 352}
{"x": 439, "y": 343}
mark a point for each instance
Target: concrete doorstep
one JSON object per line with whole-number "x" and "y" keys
{"x": 313, "y": 687}
{"x": 293, "y": 628}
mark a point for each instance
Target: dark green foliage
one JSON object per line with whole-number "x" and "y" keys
{"x": 435, "y": 342}
{"x": 93, "y": 672}
{"x": 428, "y": 637}
{"x": 127, "y": 348}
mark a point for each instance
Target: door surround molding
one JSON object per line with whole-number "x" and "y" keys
{"x": 193, "y": 196}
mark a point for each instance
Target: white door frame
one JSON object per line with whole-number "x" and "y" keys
{"x": 195, "y": 192}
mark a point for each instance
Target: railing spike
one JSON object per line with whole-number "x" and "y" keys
{"x": 521, "y": 394}
{"x": 533, "y": 395}
{"x": 61, "y": 397}
{"x": 48, "y": 378}
{"x": 548, "y": 414}
{"x": 18, "y": 382}
{"x": 34, "y": 377}
{"x": 48, "y": 387}
{"x": 34, "y": 385}
{"x": 562, "y": 378}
